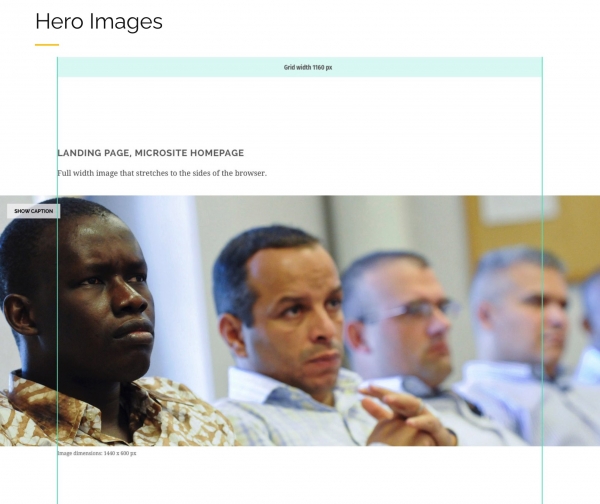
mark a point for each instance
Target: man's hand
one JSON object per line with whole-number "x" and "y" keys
{"x": 395, "y": 432}
{"x": 408, "y": 423}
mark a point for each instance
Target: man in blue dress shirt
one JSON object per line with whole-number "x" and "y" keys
{"x": 278, "y": 295}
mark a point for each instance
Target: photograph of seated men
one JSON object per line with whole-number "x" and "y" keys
{"x": 518, "y": 295}
{"x": 397, "y": 319}
{"x": 279, "y": 299}
{"x": 75, "y": 294}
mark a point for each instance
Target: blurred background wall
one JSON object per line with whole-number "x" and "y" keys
{"x": 182, "y": 236}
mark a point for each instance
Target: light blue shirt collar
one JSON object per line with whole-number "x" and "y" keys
{"x": 249, "y": 386}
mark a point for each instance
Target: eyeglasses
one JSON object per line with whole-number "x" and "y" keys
{"x": 423, "y": 310}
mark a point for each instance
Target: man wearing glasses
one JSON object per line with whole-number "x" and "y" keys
{"x": 397, "y": 322}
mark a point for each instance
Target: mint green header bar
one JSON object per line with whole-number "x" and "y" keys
{"x": 299, "y": 67}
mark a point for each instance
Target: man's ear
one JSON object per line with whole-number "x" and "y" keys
{"x": 355, "y": 336}
{"x": 230, "y": 328}
{"x": 484, "y": 314}
{"x": 19, "y": 314}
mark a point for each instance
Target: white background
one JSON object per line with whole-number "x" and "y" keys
{"x": 311, "y": 135}
{"x": 566, "y": 34}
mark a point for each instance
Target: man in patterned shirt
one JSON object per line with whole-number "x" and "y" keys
{"x": 279, "y": 296}
{"x": 88, "y": 333}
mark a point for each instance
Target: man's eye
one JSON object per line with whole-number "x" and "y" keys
{"x": 535, "y": 301}
{"x": 91, "y": 281}
{"x": 138, "y": 278}
{"x": 334, "y": 303}
{"x": 418, "y": 309}
{"x": 292, "y": 311}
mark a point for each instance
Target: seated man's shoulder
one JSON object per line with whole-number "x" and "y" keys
{"x": 250, "y": 421}
{"x": 245, "y": 411}
{"x": 7, "y": 414}
{"x": 495, "y": 403}
{"x": 181, "y": 402}
{"x": 168, "y": 389}
{"x": 165, "y": 390}
{"x": 4, "y": 403}
{"x": 16, "y": 428}
{"x": 249, "y": 411}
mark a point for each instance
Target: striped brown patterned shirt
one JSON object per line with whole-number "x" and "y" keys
{"x": 161, "y": 413}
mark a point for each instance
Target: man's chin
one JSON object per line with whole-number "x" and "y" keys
{"x": 553, "y": 353}
{"x": 441, "y": 367}
{"x": 131, "y": 369}
{"x": 437, "y": 377}
{"x": 551, "y": 361}
{"x": 323, "y": 383}
{"x": 135, "y": 373}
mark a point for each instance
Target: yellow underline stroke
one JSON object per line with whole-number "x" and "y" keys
{"x": 45, "y": 45}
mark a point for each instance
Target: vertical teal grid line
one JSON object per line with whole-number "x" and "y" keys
{"x": 56, "y": 154}
{"x": 542, "y": 278}
{"x": 542, "y": 261}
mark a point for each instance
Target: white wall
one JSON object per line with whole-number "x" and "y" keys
{"x": 363, "y": 224}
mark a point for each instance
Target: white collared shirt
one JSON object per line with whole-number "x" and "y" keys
{"x": 511, "y": 393}
{"x": 588, "y": 370}
{"x": 264, "y": 411}
{"x": 454, "y": 412}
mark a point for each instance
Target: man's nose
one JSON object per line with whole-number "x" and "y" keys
{"x": 324, "y": 327}
{"x": 439, "y": 323}
{"x": 125, "y": 298}
{"x": 555, "y": 315}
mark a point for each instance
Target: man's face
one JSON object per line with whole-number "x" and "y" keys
{"x": 105, "y": 309}
{"x": 296, "y": 337}
{"x": 407, "y": 344}
{"x": 515, "y": 318}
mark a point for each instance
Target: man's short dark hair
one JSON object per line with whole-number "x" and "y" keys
{"x": 29, "y": 243}
{"x": 353, "y": 305}
{"x": 230, "y": 287}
